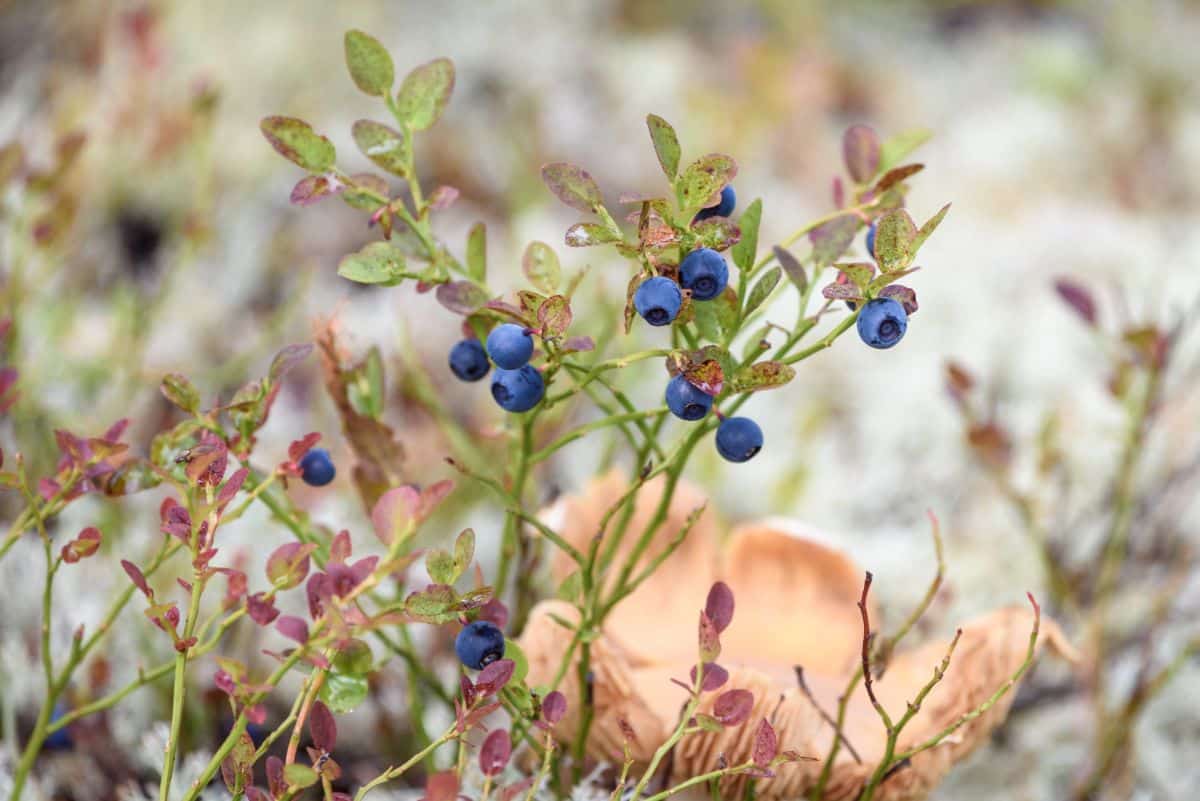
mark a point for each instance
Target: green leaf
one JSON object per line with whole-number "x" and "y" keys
{"x": 342, "y": 693}
{"x": 572, "y": 185}
{"x": 440, "y": 566}
{"x": 717, "y": 233}
{"x": 747, "y": 247}
{"x": 929, "y": 227}
{"x": 180, "y": 391}
{"x": 666, "y": 144}
{"x": 717, "y": 318}
{"x": 464, "y": 551}
{"x": 895, "y": 149}
{"x": 425, "y": 92}
{"x": 364, "y": 385}
{"x": 297, "y": 775}
{"x": 383, "y": 145}
{"x": 554, "y": 315}
{"x": 297, "y": 142}
{"x": 886, "y": 279}
{"x": 365, "y": 192}
{"x": 894, "y": 238}
{"x": 859, "y": 272}
{"x": 477, "y": 252}
{"x": 369, "y": 63}
{"x": 831, "y": 239}
{"x": 541, "y": 267}
{"x": 764, "y": 375}
{"x": 377, "y": 263}
{"x": 520, "y": 662}
{"x": 435, "y": 604}
{"x": 354, "y": 659}
{"x": 585, "y": 234}
{"x": 571, "y": 587}
{"x": 702, "y": 180}
{"x": 762, "y": 290}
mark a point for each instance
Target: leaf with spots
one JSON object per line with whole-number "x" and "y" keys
{"x": 540, "y": 265}
{"x": 554, "y": 315}
{"x": 382, "y": 144}
{"x": 297, "y": 142}
{"x": 424, "y": 93}
{"x": 666, "y": 145}
{"x": 763, "y": 375}
{"x": 697, "y": 186}
{"x": 746, "y": 247}
{"x": 762, "y": 290}
{"x": 369, "y": 63}
{"x": 572, "y": 185}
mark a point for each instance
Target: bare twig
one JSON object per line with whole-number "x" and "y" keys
{"x": 837, "y": 729}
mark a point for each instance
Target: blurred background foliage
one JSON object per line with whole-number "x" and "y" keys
{"x": 1067, "y": 135}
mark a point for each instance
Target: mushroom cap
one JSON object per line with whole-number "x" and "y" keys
{"x": 796, "y": 605}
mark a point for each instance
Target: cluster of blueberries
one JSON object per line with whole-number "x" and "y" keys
{"x": 517, "y": 386}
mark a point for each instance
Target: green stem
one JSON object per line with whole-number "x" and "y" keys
{"x": 587, "y": 428}
{"x": 396, "y": 772}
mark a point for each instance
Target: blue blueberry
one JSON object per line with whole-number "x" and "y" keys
{"x": 316, "y": 468}
{"x": 685, "y": 401}
{"x": 705, "y": 273}
{"x": 510, "y": 346}
{"x": 739, "y": 439}
{"x": 518, "y": 390}
{"x": 468, "y": 360}
{"x": 882, "y": 323}
{"x": 723, "y": 209}
{"x": 871, "y": 240}
{"x": 658, "y": 300}
{"x": 60, "y": 740}
{"x": 479, "y": 644}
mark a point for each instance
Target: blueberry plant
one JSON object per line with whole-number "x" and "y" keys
{"x": 695, "y": 271}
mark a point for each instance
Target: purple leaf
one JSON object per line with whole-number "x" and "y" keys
{"x": 715, "y": 677}
{"x": 293, "y": 628}
{"x": 554, "y": 706}
{"x": 322, "y": 727}
{"x": 1078, "y": 298}
{"x": 733, "y": 707}
{"x": 719, "y": 605}
{"x": 766, "y": 744}
{"x": 495, "y": 752}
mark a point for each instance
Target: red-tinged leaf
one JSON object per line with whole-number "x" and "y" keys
{"x": 83, "y": 546}
{"x": 1078, "y": 298}
{"x": 838, "y": 291}
{"x": 293, "y": 628}
{"x": 495, "y": 753}
{"x": 394, "y": 513}
{"x": 709, "y": 640}
{"x": 860, "y": 151}
{"x": 766, "y": 744}
{"x": 276, "y": 784}
{"x": 297, "y": 142}
{"x": 903, "y": 295}
{"x": 288, "y": 565}
{"x": 322, "y": 727}
{"x": 896, "y": 175}
{"x": 554, "y": 315}
{"x": 579, "y": 345}
{"x": 341, "y": 548}
{"x": 138, "y": 579}
{"x": 231, "y": 487}
{"x": 441, "y": 787}
{"x": 511, "y": 791}
{"x": 718, "y": 233}
{"x": 461, "y": 297}
{"x": 707, "y": 376}
{"x": 831, "y": 239}
{"x": 572, "y": 185}
{"x": 442, "y": 198}
{"x": 256, "y": 794}
{"x": 494, "y": 611}
{"x": 554, "y": 706}
{"x": 302, "y": 446}
{"x": 763, "y": 375}
{"x": 719, "y": 605}
{"x": 733, "y": 707}
{"x": 494, "y": 676}
{"x": 261, "y": 608}
{"x": 311, "y": 188}
{"x": 541, "y": 266}
{"x": 714, "y": 678}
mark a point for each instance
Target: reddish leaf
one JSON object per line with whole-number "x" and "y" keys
{"x": 766, "y": 744}
{"x": 261, "y": 608}
{"x": 554, "y": 706}
{"x": 83, "y": 546}
{"x": 715, "y": 677}
{"x": 1078, "y": 298}
{"x": 275, "y": 781}
{"x": 860, "y": 151}
{"x": 441, "y": 787}
{"x": 293, "y": 628}
{"x": 288, "y": 565}
{"x": 707, "y": 376}
{"x": 710, "y": 641}
{"x": 495, "y": 753}
{"x": 322, "y": 727}
{"x": 494, "y": 676}
{"x": 903, "y": 295}
{"x": 719, "y": 605}
{"x": 733, "y": 707}
{"x": 138, "y": 579}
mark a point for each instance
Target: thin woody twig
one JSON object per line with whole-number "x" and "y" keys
{"x": 868, "y": 681}
{"x": 837, "y": 730}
